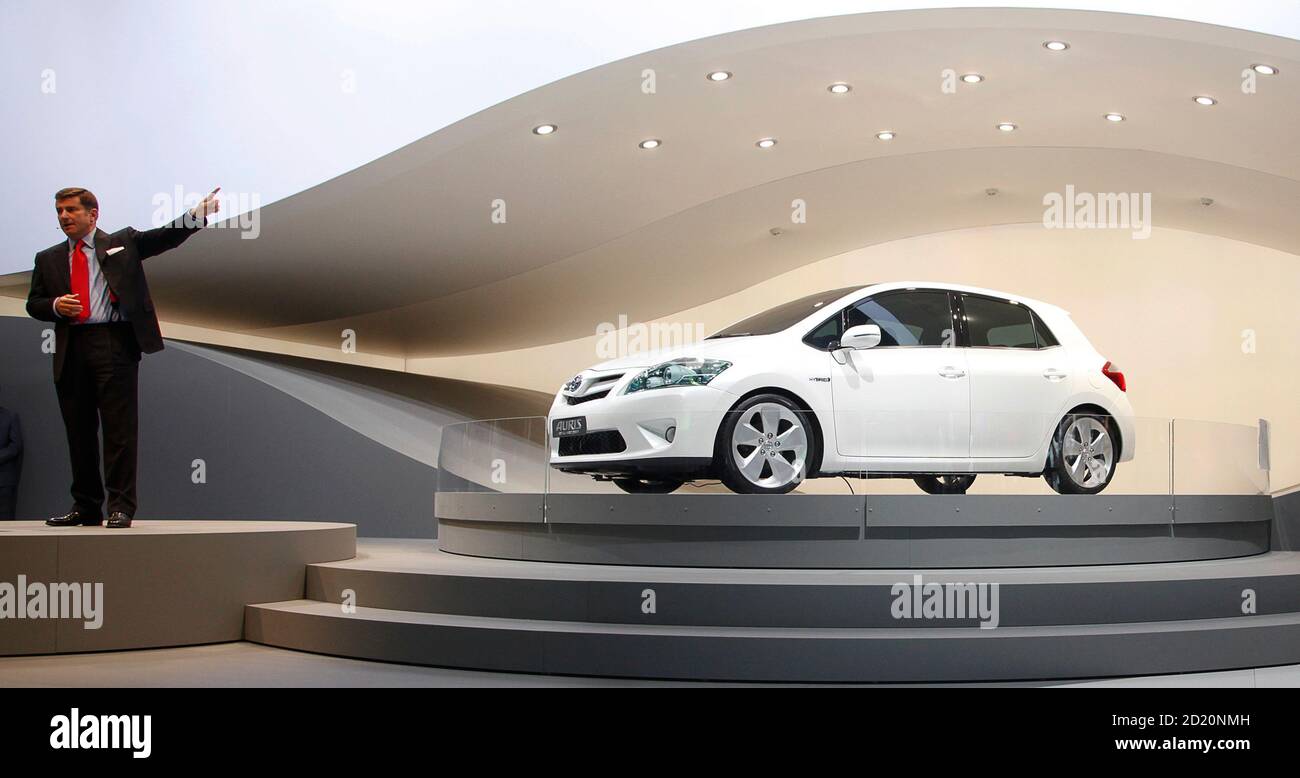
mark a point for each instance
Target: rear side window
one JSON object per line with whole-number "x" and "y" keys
{"x": 1045, "y": 337}
{"x": 911, "y": 318}
{"x": 999, "y": 324}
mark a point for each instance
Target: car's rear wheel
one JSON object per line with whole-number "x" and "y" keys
{"x": 765, "y": 446}
{"x": 648, "y": 486}
{"x": 1084, "y": 451}
{"x": 946, "y": 483}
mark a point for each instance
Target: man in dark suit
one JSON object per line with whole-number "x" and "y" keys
{"x": 92, "y": 285}
{"x": 11, "y": 462}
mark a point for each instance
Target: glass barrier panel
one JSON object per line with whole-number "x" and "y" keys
{"x": 1217, "y": 458}
{"x": 871, "y": 452}
{"x": 494, "y": 455}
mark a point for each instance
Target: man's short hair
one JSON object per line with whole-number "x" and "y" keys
{"x": 86, "y": 196}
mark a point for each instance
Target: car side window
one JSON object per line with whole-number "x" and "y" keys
{"x": 1045, "y": 337}
{"x": 827, "y": 332}
{"x": 998, "y": 324}
{"x": 906, "y": 318}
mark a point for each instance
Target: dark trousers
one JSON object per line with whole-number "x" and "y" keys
{"x": 8, "y": 500}
{"x": 98, "y": 387}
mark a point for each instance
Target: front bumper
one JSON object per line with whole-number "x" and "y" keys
{"x": 663, "y": 432}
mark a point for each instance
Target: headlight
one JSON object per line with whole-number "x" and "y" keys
{"x": 688, "y": 371}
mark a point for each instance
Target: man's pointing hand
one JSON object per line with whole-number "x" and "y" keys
{"x": 209, "y": 205}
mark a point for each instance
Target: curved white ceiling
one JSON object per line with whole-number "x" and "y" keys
{"x": 404, "y": 249}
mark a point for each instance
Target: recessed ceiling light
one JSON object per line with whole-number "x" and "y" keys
{"x": 1007, "y": 127}
{"x": 839, "y": 88}
{"x": 766, "y": 143}
{"x": 544, "y": 129}
{"x": 1203, "y": 100}
{"x": 1114, "y": 117}
{"x": 650, "y": 143}
{"x": 1056, "y": 45}
{"x": 718, "y": 75}
{"x": 972, "y": 78}
{"x": 1264, "y": 70}
{"x": 885, "y": 135}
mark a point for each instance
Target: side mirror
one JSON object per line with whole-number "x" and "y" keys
{"x": 861, "y": 336}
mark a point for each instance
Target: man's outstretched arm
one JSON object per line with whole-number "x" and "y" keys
{"x": 151, "y": 243}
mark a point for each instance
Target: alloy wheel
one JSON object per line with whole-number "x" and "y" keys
{"x": 769, "y": 446}
{"x": 1088, "y": 452}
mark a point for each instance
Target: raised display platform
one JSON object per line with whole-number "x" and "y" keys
{"x": 164, "y": 583}
{"x": 833, "y": 531}
{"x": 416, "y": 604}
{"x": 313, "y": 587}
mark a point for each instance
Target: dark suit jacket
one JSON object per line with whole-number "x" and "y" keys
{"x": 11, "y": 448}
{"x": 124, "y": 272}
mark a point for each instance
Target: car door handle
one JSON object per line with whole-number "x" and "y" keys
{"x": 1052, "y": 374}
{"x": 948, "y": 371}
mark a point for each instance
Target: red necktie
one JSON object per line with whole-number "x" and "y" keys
{"x": 81, "y": 281}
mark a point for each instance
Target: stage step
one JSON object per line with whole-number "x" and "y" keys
{"x": 413, "y": 603}
{"x": 416, "y": 576}
{"x": 916, "y": 654}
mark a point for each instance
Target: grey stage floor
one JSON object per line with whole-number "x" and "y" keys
{"x": 248, "y": 664}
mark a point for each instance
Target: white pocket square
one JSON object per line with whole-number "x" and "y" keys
{"x": 115, "y": 249}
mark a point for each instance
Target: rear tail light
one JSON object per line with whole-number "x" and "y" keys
{"x": 1113, "y": 373}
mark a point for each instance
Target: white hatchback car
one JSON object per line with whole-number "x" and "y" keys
{"x": 933, "y": 382}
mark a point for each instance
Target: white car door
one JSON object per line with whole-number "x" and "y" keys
{"x": 909, "y": 397}
{"x": 1019, "y": 379}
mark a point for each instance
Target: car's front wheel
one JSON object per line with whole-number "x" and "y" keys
{"x": 1083, "y": 455}
{"x": 764, "y": 446}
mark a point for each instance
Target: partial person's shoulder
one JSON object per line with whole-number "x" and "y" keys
{"x": 57, "y": 247}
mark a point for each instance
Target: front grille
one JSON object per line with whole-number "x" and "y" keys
{"x": 606, "y": 378}
{"x": 600, "y": 442}
{"x": 587, "y": 398}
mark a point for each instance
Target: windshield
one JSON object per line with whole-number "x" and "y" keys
{"x": 785, "y": 315}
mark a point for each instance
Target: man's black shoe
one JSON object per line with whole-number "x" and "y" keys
{"x": 73, "y": 519}
{"x": 118, "y": 520}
